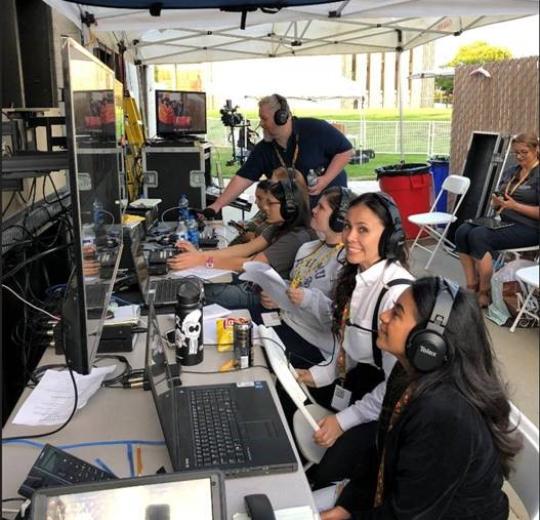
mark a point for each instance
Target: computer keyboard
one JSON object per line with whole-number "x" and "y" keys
{"x": 217, "y": 439}
{"x": 166, "y": 291}
{"x": 55, "y": 467}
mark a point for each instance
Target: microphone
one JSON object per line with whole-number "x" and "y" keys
{"x": 349, "y": 323}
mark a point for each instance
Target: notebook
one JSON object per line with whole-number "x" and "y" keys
{"x": 233, "y": 427}
{"x": 199, "y": 495}
{"x": 489, "y": 222}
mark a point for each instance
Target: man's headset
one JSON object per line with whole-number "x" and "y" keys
{"x": 392, "y": 239}
{"x": 281, "y": 115}
{"x": 337, "y": 219}
{"x": 426, "y": 348}
{"x": 289, "y": 206}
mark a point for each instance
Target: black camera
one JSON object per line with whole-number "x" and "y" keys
{"x": 230, "y": 116}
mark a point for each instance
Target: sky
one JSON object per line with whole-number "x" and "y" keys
{"x": 521, "y": 37}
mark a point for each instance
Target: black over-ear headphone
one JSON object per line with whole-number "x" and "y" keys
{"x": 281, "y": 115}
{"x": 426, "y": 348}
{"x": 338, "y": 216}
{"x": 391, "y": 239}
{"x": 288, "y": 207}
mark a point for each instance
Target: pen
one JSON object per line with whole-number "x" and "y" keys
{"x": 130, "y": 459}
{"x": 104, "y": 466}
{"x": 138, "y": 458}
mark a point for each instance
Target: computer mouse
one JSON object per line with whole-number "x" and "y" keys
{"x": 259, "y": 507}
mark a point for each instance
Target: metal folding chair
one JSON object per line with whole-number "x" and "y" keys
{"x": 529, "y": 276}
{"x": 430, "y": 222}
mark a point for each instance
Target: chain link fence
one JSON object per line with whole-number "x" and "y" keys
{"x": 419, "y": 137}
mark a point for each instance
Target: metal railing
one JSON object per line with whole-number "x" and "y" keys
{"x": 419, "y": 137}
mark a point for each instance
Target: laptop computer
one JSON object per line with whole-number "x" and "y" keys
{"x": 199, "y": 495}
{"x": 165, "y": 289}
{"x": 234, "y": 427}
{"x": 490, "y": 222}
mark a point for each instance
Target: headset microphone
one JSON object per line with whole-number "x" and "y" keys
{"x": 367, "y": 329}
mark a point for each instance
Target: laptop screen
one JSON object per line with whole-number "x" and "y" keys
{"x": 141, "y": 267}
{"x": 157, "y": 497}
{"x": 161, "y": 380}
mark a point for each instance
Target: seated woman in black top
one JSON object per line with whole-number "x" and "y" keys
{"x": 517, "y": 202}
{"x": 445, "y": 442}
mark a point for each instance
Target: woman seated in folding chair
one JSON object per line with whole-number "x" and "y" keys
{"x": 518, "y": 203}
{"x": 444, "y": 441}
{"x": 306, "y": 329}
{"x": 351, "y": 381}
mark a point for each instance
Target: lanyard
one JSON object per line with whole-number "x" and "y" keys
{"x": 398, "y": 409}
{"x": 511, "y": 191}
{"x": 295, "y": 154}
{"x": 312, "y": 263}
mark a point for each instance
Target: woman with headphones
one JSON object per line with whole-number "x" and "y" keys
{"x": 287, "y": 210}
{"x": 444, "y": 441}
{"x": 306, "y": 330}
{"x": 352, "y": 380}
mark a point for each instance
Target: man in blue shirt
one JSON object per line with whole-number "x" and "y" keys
{"x": 301, "y": 143}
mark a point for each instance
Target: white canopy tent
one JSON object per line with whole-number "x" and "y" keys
{"x": 346, "y": 27}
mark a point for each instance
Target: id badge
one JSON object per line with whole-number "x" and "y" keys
{"x": 341, "y": 398}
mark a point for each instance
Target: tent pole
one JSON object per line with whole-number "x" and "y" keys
{"x": 399, "y": 50}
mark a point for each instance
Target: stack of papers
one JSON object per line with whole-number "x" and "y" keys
{"x": 125, "y": 315}
{"x": 269, "y": 281}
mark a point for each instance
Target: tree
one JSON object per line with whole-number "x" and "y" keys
{"x": 473, "y": 53}
{"x": 479, "y": 52}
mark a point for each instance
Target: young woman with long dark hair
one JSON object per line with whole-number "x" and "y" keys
{"x": 352, "y": 380}
{"x": 445, "y": 441}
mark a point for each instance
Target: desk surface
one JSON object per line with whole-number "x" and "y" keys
{"x": 118, "y": 414}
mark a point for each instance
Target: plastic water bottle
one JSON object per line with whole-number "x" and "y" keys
{"x": 193, "y": 231}
{"x": 98, "y": 218}
{"x": 311, "y": 178}
{"x": 183, "y": 207}
{"x": 181, "y": 230}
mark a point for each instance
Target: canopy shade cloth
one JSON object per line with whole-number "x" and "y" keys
{"x": 349, "y": 27}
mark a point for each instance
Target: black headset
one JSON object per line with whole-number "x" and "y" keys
{"x": 281, "y": 115}
{"x": 426, "y": 348}
{"x": 288, "y": 207}
{"x": 339, "y": 214}
{"x": 392, "y": 239}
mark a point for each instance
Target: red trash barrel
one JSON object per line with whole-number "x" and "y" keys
{"x": 410, "y": 186}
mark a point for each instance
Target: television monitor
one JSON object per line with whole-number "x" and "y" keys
{"x": 94, "y": 158}
{"x": 180, "y": 113}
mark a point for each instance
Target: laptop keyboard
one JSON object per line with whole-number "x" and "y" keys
{"x": 216, "y": 436}
{"x": 166, "y": 291}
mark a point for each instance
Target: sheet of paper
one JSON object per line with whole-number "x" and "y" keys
{"x": 51, "y": 401}
{"x": 271, "y": 319}
{"x": 214, "y": 311}
{"x": 269, "y": 281}
{"x": 201, "y": 272}
{"x": 291, "y": 513}
{"x": 124, "y": 315}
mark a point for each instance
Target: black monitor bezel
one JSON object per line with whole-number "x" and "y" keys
{"x": 158, "y": 92}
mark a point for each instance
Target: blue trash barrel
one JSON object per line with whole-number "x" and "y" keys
{"x": 439, "y": 165}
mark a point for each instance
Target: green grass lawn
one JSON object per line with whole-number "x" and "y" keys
{"x": 354, "y": 171}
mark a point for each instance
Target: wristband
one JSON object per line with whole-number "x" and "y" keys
{"x": 210, "y": 262}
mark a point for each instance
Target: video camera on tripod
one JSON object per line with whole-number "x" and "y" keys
{"x": 229, "y": 115}
{"x": 231, "y": 118}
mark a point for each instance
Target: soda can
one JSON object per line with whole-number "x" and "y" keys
{"x": 242, "y": 344}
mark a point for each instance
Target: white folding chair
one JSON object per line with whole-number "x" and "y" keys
{"x": 429, "y": 222}
{"x": 524, "y": 477}
{"x": 529, "y": 276}
{"x": 515, "y": 254}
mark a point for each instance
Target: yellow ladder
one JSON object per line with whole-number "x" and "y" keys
{"x": 135, "y": 141}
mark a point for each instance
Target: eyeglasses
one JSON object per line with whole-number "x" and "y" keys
{"x": 520, "y": 153}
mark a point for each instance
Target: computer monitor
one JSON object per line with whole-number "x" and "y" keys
{"x": 94, "y": 160}
{"x": 180, "y": 113}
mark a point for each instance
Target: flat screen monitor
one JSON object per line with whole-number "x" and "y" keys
{"x": 94, "y": 159}
{"x": 180, "y": 113}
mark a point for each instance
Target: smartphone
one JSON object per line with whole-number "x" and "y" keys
{"x": 236, "y": 225}
{"x": 498, "y": 193}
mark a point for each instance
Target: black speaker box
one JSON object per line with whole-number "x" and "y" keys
{"x": 28, "y": 64}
